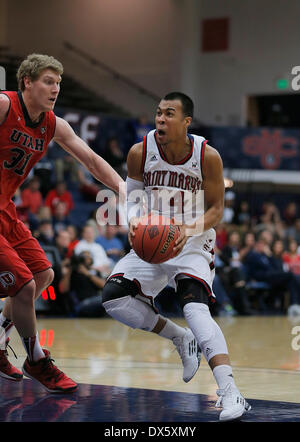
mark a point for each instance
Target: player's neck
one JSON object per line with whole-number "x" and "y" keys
{"x": 175, "y": 151}
{"x": 35, "y": 114}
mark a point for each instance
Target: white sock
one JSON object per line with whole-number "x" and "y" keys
{"x": 172, "y": 330}
{"x": 33, "y": 349}
{"x": 7, "y": 324}
{"x": 223, "y": 376}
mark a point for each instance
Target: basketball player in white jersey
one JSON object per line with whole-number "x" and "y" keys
{"x": 169, "y": 158}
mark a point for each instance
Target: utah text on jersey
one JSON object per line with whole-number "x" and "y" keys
{"x": 25, "y": 140}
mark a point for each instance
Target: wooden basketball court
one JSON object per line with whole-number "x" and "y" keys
{"x": 118, "y": 368}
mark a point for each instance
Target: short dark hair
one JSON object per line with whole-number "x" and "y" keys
{"x": 187, "y": 102}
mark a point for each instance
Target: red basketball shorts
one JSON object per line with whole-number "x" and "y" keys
{"x": 20, "y": 254}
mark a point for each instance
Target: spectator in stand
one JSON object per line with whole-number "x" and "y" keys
{"x": 223, "y": 300}
{"x": 88, "y": 187}
{"x": 242, "y": 216}
{"x": 60, "y": 193}
{"x": 45, "y": 233}
{"x": 73, "y": 232}
{"x": 276, "y": 257}
{"x": 279, "y": 263}
{"x": 60, "y": 217}
{"x": 247, "y": 244}
{"x": 289, "y": 216}
{"x": 261, "y": 267}
{"x": 270, "y": 220}
{"x": 221, "y": 236}
{"x": 292, "y": 257}
{"x": 62, "y": 242}
{"x": 290, "y": 213}
{"x": 141, "y": 128}
{"x": 235, "y": 275}
{"x": 101, "y": 261}
{"x": 268, "y": 237}
{"x": 45, "y": 172}
{"x": 65, "y": 164}
{"x": 293, "y": 232}
{"x": 83, "y": 284}
{"x": 93, "y": 221}
{"x": 99, "y": 219}
{"x": 296, "y": 232}
{"x": 114, "y": 155}
{"x": 229, "y": 202}
{"x": 112, "y": 245}
{"x": 44, "y": 213}
{"x": 230, "y": 254}
{"x": 31, "y": 196}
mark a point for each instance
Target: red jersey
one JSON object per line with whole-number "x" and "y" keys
{"x": 52, "y": 199}
{"x": 22, "y": 144}
{"x": 293, "y": 262}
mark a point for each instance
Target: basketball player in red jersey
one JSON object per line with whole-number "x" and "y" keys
{"x": 171, "y": 159}
{"x": 27, "y": 125}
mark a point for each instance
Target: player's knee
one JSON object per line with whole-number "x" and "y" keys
{"x": 118, "y": 287}
{"x": 48, "y": 276}
{"x": 43, "y": 280}
{"x": 122, "y": 310}
{"x": 190, "y": 290}
{"x": 27, "y": 293}
{"x": 118, "y": 299}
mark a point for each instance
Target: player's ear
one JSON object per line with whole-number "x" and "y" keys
{"x": 188, "y": 121}
{"x": 27, "y": 81}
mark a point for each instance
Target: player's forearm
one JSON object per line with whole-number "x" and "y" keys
{"x": 103, "y": 172}
{"x": 210, "y": 219}
{"x": 75, "y": 146}
{"x": 213, "y": 216}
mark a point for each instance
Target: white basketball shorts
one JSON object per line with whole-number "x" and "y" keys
{"x": 196, "y": 260}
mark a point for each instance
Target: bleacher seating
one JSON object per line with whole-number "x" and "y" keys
{"x": 74, "y": 94}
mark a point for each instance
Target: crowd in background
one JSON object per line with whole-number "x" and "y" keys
{"x": 257, "y": 255}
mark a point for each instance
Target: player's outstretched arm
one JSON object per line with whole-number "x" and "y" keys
{"x": 97, "y": 166}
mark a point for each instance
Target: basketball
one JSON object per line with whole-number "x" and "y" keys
{"x": 155, "y": 238}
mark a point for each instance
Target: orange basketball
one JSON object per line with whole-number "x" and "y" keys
{"x": 155, "y": 238}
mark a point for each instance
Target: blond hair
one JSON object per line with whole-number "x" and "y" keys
{"x": 33, "y": 65}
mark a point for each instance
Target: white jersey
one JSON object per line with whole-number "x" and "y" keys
{"x": 196, "y": 260}
{"x": 174, "y": 189}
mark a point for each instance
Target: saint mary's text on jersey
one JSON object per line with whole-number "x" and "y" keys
{"x": 172, "y": 179}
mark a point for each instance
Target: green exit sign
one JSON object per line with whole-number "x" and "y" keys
{"x": 282, "y": 83}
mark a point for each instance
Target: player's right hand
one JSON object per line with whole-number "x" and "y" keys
{"x": 181, "y": 240}
{"x": 132, "y": 226}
